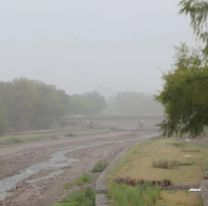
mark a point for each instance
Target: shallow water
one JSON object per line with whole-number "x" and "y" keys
{"x": 57, "y": 161}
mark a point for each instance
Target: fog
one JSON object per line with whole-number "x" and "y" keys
{"x": 85, "y": 45}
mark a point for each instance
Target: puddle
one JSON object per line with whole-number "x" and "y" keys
{"x": 57, "y": 163}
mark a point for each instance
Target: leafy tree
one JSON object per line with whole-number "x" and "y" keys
{"x": 185, "y": 96}
{"x": 88, "y": 103}
{"x": 32, "y": 104}
{"x": 198, "y": 12}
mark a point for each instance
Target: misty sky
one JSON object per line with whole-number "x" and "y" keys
{"x": 82, "y": 45}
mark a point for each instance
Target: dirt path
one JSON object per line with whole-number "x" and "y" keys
{"x": 38, "y": 171}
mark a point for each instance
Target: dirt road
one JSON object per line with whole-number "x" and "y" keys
{"x": 34, "y": 174}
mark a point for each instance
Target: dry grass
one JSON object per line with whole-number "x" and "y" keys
{"x": 138, "y": 164}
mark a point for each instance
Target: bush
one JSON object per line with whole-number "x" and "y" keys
{"x": 100, "y": 166}
{"x": 70, "y": 135}
{"x": 85, "y": 178}
{"x": 85, "y": 197}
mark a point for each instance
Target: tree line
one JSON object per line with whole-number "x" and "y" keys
{"x": 32, "y": 104}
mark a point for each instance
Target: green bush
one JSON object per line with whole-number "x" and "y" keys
{"x": 84, "y": 179}
{"x": 100, "y": 166}
{"x": 85, "y": 197}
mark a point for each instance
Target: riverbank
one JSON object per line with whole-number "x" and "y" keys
{"x": 159, "y": 172}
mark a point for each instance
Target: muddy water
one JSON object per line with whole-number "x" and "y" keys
{"x": 57, "y": 163}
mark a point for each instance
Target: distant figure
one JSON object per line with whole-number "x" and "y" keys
{"x": 140, "y": 125}
{"x": 90, "y": 124}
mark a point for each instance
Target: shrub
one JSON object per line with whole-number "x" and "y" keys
{"x": 84, "y": 179}
{"x": 100, "y": 166}
{"x": 85, "y": 197}
{"x": 70, "y": 135}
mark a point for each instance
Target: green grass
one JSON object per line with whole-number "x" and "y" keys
{"x": 123, "y": 195}
{"x": 84, "y": 179}
{"x": 85, "y": 197}
{"x": 67, "y": 186}
{"x": 100, "y": 166}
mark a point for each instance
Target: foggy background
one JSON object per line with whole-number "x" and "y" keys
{"x": 85, "y": 45}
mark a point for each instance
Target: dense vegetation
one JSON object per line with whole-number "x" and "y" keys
{"x": 198, "y": 13}
{"x": 30, "y": 104}
{"x": 185, "y": 96}
{"x": 85, "y": 197}
{"x": 89, "y": 103}
{"x": 33, "y": 104}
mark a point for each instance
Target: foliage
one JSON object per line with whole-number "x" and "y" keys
{"x": 100, "y": 166}
{"x": 32, "y": 104}
{"x": 26, "y": 104}
{"x": 85, "y": 197}
{"x": 85, "y": 178}
{"x": 123, "y": 195}
{"x": 185, "y": 96}
{"x": 89, "y": 103}
{"x": 198, "y": 12}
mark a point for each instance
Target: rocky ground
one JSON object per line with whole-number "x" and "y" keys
{"x": 66, "y": 157}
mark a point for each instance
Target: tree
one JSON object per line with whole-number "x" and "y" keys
{"x": 3, "y": 121}
{"x": 198, "y": 12}
{"x": 185, "y": 96}
{"x": 32, "y": 104}
{"x": 88, "y": 103}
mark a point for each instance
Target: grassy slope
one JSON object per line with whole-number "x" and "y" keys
{"x": 138, "y": 164}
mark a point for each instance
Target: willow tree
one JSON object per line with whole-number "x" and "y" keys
{"x": 197, "y": 10}
{"x": 185, "y": 95}
{"x": 185, "y": 92}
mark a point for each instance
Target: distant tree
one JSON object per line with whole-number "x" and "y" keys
{"x": 136, "y": 103}
{"x": 198, "y": 12}
{"x": 32, "y": 104}
{"x": 88, "y": 103}
{"x": 185, "y": 96}
{"x": 3, "y": 121}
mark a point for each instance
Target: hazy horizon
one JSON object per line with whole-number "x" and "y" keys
{"x": 90, "y": 45}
